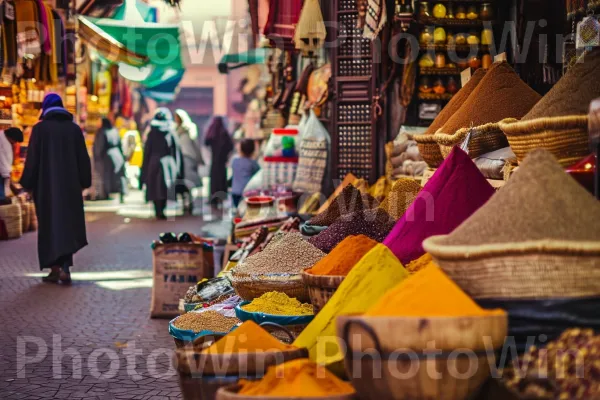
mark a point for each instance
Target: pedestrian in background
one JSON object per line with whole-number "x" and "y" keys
{"x": 187, "y": 133}
{"x": 220, "y": 143}
{"x": 162, "y": 166}
{"x": 7, "y": 139}
{"x": 57, "y": 170}
{"x": 243, "y": 168}
{"x": 109, "y": 161}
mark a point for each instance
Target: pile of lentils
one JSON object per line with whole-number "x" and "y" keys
{"x": 290, "y": 254}
{"x": 206, "y": 321}
{"x": 572, "y": 362}
{"x": 375, "y": 224}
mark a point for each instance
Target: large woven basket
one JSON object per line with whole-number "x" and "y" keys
{"x": 484, "y": 139}
{"x": 321, "y": 288}
{"x": 429, "y": 150}
{"x": 33, "y": 221}
{"x": 249, "y": 287}
{"x": 529, "y": 270}
{"x": 25, "y": 217}
{"x": 565, "y": 137}
{"x": 11, "y": 216}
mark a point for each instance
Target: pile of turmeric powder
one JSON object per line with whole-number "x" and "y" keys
{"x": 344, "y": 256}
{"x": 296, "y": 378}
{"x": 428, "y": 293}
{"x": 248, "y": 338}
{"x": 278, "y": 303}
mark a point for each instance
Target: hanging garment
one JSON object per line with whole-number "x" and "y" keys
{"x": 9, "y": 37}
{"x": 376, "y": 18}
{"x": 28, "y": 36}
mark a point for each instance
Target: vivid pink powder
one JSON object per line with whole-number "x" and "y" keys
{"x": 453, "y": 193}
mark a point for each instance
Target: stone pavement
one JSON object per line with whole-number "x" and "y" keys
{"x": 94, "y": 339}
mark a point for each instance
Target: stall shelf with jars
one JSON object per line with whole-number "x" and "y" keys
{"x": 453, "y": 36}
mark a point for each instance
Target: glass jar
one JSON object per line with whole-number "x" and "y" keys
{"x": 440, "y": 60}
{"x": 472, "y": 13}
{"x": 486, "y": 12}
{"x": 438, "y": 86}
{"x": 452, "y": 85}
{"x": 450, "y": 11}
{"x": 487, "y": 37}
{"x": 424, "y": 9}
{"x": 425, "y": 85}
{"x": 461, "y": 12}
{"x": 426, "y": 36}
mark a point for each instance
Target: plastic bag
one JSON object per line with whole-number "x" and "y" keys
{"x": 313, "y": 162}
{"x": 282, "y": 143}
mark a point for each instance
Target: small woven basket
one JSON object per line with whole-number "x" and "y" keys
{"x": 565, "y": 137}
{"x": 484, "y": 139}
{"x": 429, "y": 150}
{"x": 25, "y": 217}
{"x": 10, "y": 215}
{"x": 528, "y": 270}
{"x": 321, "y": 288}
{"x": 249, "y": 287}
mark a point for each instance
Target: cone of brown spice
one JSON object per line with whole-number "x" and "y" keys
{"x": 375, "y": 224}
{"x": 574, "y": 92}
{"x": 428, "y": 148}
{"x": 403, "y": 193}
{"x": 539, "y": 202}
{"x": 348, "y": 201}
{"x": 500, "y": 94}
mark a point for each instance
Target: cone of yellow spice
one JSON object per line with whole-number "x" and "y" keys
{"x": 428, "y": 293}
{"x": 297, "y": 378}
{"x": 248, "y": 338}
{"x": 278, "y": 303}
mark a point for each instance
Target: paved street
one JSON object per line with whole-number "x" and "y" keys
{"x": 93, "y": 340}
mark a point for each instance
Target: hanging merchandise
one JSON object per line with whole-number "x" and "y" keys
{"x": 310, "y": 32}
{"x": 588, "y": 33}
{"x": 312, "y": 163}
{"x": 28, "y": 37}
{"x": 376, "y": 18}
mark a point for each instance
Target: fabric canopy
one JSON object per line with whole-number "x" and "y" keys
{"x": 238, "y": 60}
{"x": 149, "y": 75}
{"x": 159, "y": 44}
{"x": 166, "y": 91}
{"x": 148, "y": 13}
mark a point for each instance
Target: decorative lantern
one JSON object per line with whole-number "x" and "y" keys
{"x": 310, "y": 32}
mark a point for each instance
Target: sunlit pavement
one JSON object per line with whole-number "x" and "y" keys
{"x": 94, "y": 339}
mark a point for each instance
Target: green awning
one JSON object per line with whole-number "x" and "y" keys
{"x": 238, "y": 60}
{"x": 159, "y": 44}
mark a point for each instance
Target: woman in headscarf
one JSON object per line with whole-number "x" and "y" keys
{"x": 187, "y": 133}
{"x": 57, "y": 170}
{"x": 109, "y": 160}
{"x": 162, "y": 166}
{"x": 221, "y": 145}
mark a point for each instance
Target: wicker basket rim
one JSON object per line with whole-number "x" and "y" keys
{"x": 237, "y": 277}
{"x": 560, "y": 247}
{"x": 314, "y": 276}
{"x": 424, "y": 139}
{"x": 512, "y": 126}
{"x": 231, "y": 392}
{"x": 448, "y": 139}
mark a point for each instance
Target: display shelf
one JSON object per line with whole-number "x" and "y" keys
{"x": 454, "y": 47}
{"x": 438, "y": 71}
{"x": 354, "y": 57}
{"x": 454, "y": 22}
{"x": 435, "y": 96}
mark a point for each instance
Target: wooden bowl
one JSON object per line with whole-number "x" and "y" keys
{"x": 392, "y": 358}
{"x": 230, "y": 393}
{"x": 320, "y": 288}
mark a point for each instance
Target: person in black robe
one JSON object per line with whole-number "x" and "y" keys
{"x": 162, "y": 167}
{"x": 57, "y": 170}
{"x": 221, "y": 146}
{"x": 109, "y": 161}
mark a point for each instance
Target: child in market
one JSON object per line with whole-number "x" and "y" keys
{"x": 7, "y": 139}
{"x": 243, "y": 168}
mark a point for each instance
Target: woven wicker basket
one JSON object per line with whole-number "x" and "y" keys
{"x": 251, "y": 287}
{"x": 484, "y": 139}
{"x": 321, "y": 288}
{"x": 429, "y": 150}
{"x": 11, "y": 217}
{"x": 565, "y": 137}
{"x": 25, "y": 217}
{"x": 529, "y": 270}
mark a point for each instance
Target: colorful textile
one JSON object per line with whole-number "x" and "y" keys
{"x": 283, "y": 17}
{"x": 279, "y": 171}
{"x": 453, "y": 193}
{"x": 28, "y": 37}
{"x": 311, "y": 165}
{"x": 376, "y": 19}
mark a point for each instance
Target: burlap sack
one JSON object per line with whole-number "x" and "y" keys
{"x": 177, "y": 266}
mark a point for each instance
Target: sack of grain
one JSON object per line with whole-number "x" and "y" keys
{"x": 176, "y": 266}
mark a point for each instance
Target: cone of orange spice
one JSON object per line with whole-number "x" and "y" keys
{"x": 344, "y": 256}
